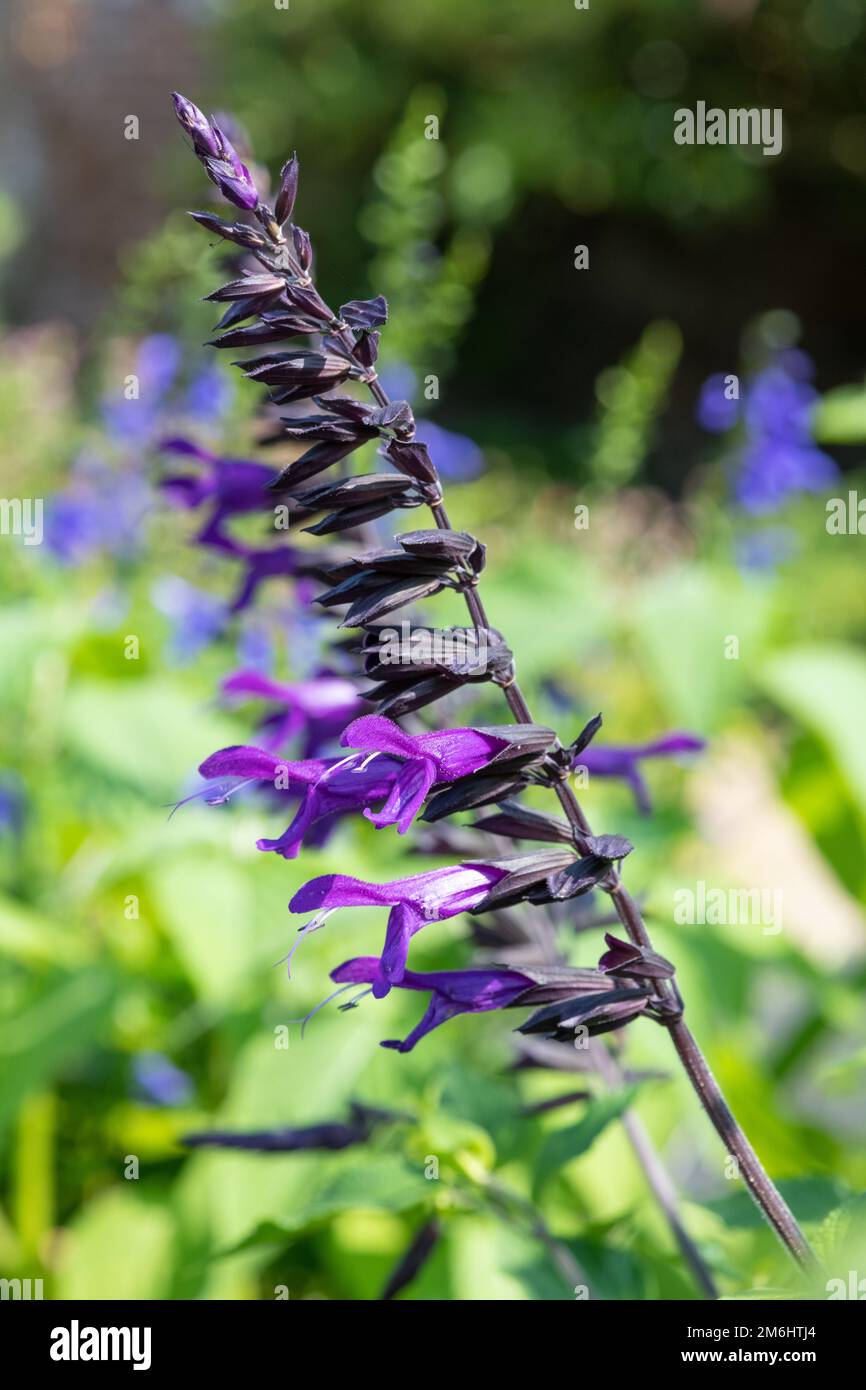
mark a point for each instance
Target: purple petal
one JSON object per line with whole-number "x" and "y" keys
{"x": 288, "y": 845}
{"x": 460, "y": 751}
{"x": 341, "y": 890}
{"x": 438, "y": 1011}
{"x": 258, "y": 763}
{"x": 361, "y": 970}
{"x": 255, "y": 683}
{"x": 671, "y": 743}
{"x": 403, "y": 922}
{"x": 374, "y": 732}
{"x": 438, "y": 894}
{"x": 412, "y": 784}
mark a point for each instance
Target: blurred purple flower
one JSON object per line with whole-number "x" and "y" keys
{"x": 12, "y": 805}
{"x": 233, "y": 486}
{"x": 715, "y": 411}
{"x": 158, "y": 362}
{"x": 159, "y": 1081}
{"x": 198, "y": 618}
{"x": 208, "y": 395}
{"x": 133, "y": 420}
{"x": 102, "y": 509}
{"x": 456, "y": 457}
{"x": 771, "y": 471}
{"x": 272, "y": 563}
{"x": 317, "y": 709}
{"x": 762, "y": 551}
{"x": 624, "y": 760}
{"x": 255, "y": 648}
{"x": 778, "y": 457}
{"x": 398, "y": 381}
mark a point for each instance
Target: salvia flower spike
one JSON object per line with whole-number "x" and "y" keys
{"x": 349, "y": 351}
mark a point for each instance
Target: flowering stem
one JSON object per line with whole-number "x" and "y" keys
{"x": 762, "y": 1189}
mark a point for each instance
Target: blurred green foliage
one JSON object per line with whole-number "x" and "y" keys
{"x": 636, "y": 609}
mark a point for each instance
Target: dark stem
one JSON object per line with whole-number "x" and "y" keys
{"x": 762, "y": 1189}
{"x": 412, "y": 1261}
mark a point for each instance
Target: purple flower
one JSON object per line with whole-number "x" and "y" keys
{"x": 221, "y": 161}
{"x": 392, "y": 767}
{"x": 234, "y": 486}
{"x": 317, "y": 709}
{"x": 452, "y": 992}
{"x": 623, "y": 760}
{"x": 716, "y": 412}
{"x": 779, "y": 457}
{"x": 328, "y": 787}
{"x": 198, "y": 618}
{"x": 429, "y": 758}
{"x": 102, "y": 509}
{"x": 274, "y": 562}
{"x": 159, "y": 1080}
{"x": 12, "y": 805}
{"x": 208, "y": 395}
{"x": 197, "y": 127}
{"x": 415, "y": 901}
{"x": 457, "y": 457}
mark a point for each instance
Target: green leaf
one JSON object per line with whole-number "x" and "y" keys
{"x": 371, "y": 1182}
{"x": 28, "y": 631}
{"x": 206, "y": 905}
{"x": 229, "y": 1193}
{"x": 681, "y": 623}
{"x": 840, "y": 416}
{"x": 564, "y": 1145}
{"x": 46, "y": 1037}
{"x": 824, "y": 688}
{"x": 843, "y": 1229}
{"x": 611, "y": 1273}
{"x": 146, "y": 732}
{"x": 810, "y": 1199}
{"x": 118, "y": 1247}
{"x": 35, "y": 940}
